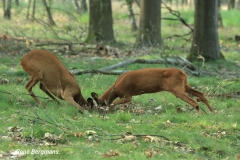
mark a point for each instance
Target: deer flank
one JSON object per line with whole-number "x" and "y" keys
{"x": 150, "y": 80}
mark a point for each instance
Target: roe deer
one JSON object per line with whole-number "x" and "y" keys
{"x": 44, "y": 67}
{"x": 150, "y": 80}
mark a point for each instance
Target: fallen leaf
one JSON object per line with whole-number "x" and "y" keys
{"x": 90, "y": 132}
{"x": 151, "y": 139}
{"x": 14, "y": 129}
{"x": 111, "y": 153}
{"x": 78, "y": 134}
{"x": 126, "y": 139}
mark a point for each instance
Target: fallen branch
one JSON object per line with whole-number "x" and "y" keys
{"x": 119, "y": 136}
{"x": 170, "y": 60}
{"x": 95, "y": 71}
{"x": 180, "y": 61}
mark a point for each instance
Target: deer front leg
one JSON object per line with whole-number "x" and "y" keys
{"x": 71, "y": 101}
{"x": 186, "y": 98}
{"x": 122, "y": 101}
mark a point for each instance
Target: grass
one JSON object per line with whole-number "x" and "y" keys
{"x": 190, "y": 135}
{"x": 197, "y": 134}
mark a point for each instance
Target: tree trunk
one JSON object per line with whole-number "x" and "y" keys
{"x": 131, "y": 16}
{"x": 138, "y": 2}
{"x": 33, "y": 10}
{"x": 149, "y": 24}
{"x": 100, "y": 22}
{"x": 220, "y": 23}
{"x": 205, "y": 35}
{"x": 231, "y": 4}
{"x": 7, "y": 9}
{"x": 50, "y": 19}
{"x": 17, "y": 3}
{"x": 78, "y": 9}
{"x": 83, "y": 6}
{"x": 28, "y": 8}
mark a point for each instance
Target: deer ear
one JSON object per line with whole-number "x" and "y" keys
{"x": 90, "y": 101}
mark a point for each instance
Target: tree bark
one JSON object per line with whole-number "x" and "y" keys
{"x": 28, "y": 8}
{"x": 80, "y": 8}
{"x": 220, "y": 22}
{"x": 17, "y": 3}
{"x": 33, "y": 10}
{"x": 131, "y": 16}
{"x": 77, "y": 6}
{"x": 150, "y": 24}
{"x": 83, "y": 6}
{"x": 231, "y": 4}
{"x": 205, "y": 35}
{"x": 100, "y": 22}
{"x": 50, "y": 19}
{"x": 7, "y": 9}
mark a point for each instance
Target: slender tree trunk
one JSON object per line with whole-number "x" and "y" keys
{"x": 17, "y": 3}
{"x": 50, "y": 19}
{"x": 220, "y": 23}
{"x": 205, "y": 36}
{"x": 83, "y": 6}
{"x": 150, "y": 24}
{"x": 28, "y": 8}
{"x": 33, "y": 10}
{"x": 131, "y": 16}
{"x": 231, "y": 4}
{"x": 7, "y": 9}
{"x": 78, "y": 9}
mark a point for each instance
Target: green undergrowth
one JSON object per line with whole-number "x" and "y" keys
{"x": 190, "y": 135}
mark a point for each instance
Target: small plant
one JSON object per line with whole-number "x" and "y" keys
{"x": 123, "y": 117}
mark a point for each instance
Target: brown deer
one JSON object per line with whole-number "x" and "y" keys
{"x": 150, "y": 80}
{"x": 44, "y": 67}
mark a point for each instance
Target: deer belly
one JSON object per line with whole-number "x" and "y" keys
{"x": 145, "y": 91}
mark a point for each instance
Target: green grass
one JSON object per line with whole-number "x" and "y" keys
{"x": 200, "y": 132}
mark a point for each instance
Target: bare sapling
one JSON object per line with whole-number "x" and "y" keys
{"x": 150, "y": 80}
{"x": 55, "y": 80}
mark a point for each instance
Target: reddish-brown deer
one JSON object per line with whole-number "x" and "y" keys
{"x": 55, "y": 80}
{"x": 150, "y": 80}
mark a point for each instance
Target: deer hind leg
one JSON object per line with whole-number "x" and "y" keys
{"x": 182, "y": 95}
{"x": 30, "y": 84}
{"x": 200, "y": 96}
{"x": 44, "y": 89}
